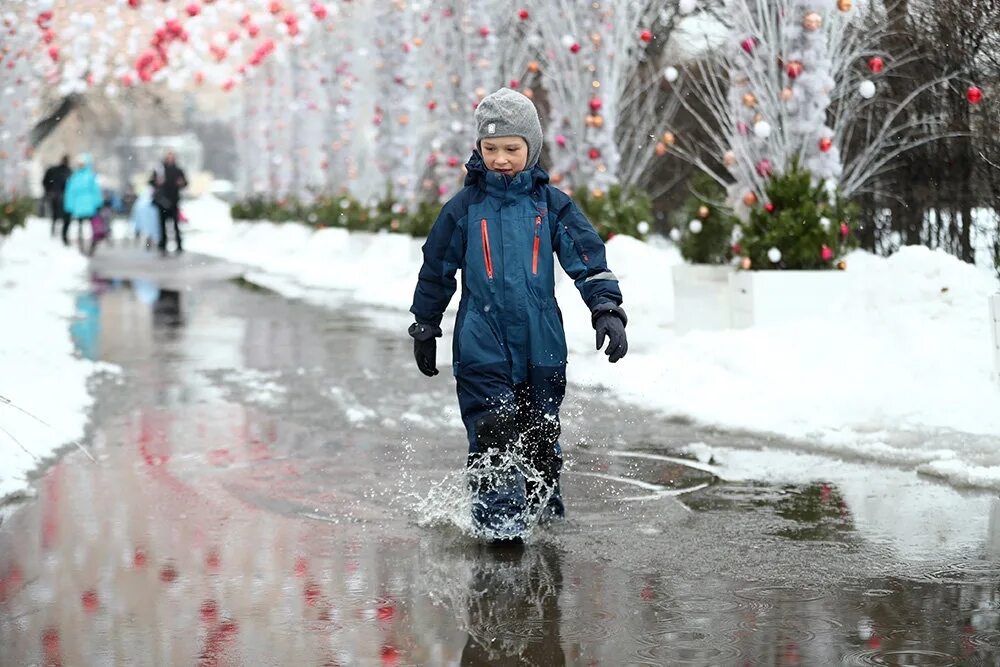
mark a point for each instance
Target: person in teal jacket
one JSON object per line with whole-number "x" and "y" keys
{"x": 84, "y": 199}
{"x": 503, "y": 231}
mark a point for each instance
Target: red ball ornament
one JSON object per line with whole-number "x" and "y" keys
{"x": 825, "y": 144}
{"x": 514, "y": 84}
{"x": 193, "y": 9}
{"x": 769, "y": 207}
{"x": 646, "y": 35}
{"x": 484, "y": 31}
{"x": 876, "y": 65}
{"x": 764, "y": 168}
{"x": 749, "y": 44}
{"x": 594, "y": 154}
{"x": 844, "y": 229}
{"x": 134, "y": 4}
{"x": 523, "y": 15}
{"x": 794, "y": 69}
{"x": 974, "y": 94}
{"x": 452, "y": 161}
{"x": 432, "y": 105}
{"x": 574, "y": 48}
{"x": 737, "y": 249}
{"x": 319, "y": 11}
{"x": 276, "y": 7}
{"x": 826, "y": 253}
{"x": 595, "y": 104}
{"x": 54, "y": 53}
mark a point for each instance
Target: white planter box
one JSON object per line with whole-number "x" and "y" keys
{"x": 995, "y": 325}
{"x": 762, "y": 298}
{"x": 701, "y": 297}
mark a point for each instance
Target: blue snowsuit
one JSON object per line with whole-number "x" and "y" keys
{"x": 509, "y": 346}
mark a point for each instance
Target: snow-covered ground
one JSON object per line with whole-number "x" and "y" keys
{"x": 902, "y": 374}
{"x": 40, "y": 370}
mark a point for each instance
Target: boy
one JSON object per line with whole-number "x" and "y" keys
{"x": 509, "y": 345}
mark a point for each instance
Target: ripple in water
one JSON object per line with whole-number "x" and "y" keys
{"x": 910, "y": 658}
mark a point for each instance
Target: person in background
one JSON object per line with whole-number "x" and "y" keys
{"x": 84, "y": 200}
{"x": 54, "y": 183}
{"x": 168, "y": 180}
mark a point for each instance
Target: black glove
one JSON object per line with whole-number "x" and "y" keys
{"x": 609, "y": 320}
{"x": 425, "y": 347}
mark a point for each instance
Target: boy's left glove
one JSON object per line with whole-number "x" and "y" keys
{"x": 425, "y": 347}
{"x": 609, "y": 321}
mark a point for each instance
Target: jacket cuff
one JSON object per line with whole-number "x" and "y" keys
{"x": 605, "y": 307}
{"x": 424, "y": 332}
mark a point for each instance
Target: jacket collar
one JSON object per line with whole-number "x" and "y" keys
{"x": 500, "y": 186}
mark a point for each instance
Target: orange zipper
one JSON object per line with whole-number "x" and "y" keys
{"x": 487, "y": 257}
{"x": 534, "y": 251}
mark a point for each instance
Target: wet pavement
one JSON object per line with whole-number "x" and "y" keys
{"x": 277, "y": 485}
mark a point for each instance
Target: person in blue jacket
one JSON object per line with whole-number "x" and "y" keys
{"x": 509, "y": 348}
{"x": 84, "y": 197}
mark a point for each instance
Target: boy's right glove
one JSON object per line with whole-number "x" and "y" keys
{"x": 609, "y": 321}
{"x": 425, "y": 347}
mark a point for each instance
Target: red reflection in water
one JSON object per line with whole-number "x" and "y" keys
{"x": 50, "y": 647}
{"x": 217, "y": 642}
{"x": 50, "y": 506}
{"x": 390, "y": 655}
{"x": 168, "y": 574}
{"x": 213, "y": 561}
{"x": 89, "y": 601}
{"x": 301, "y": 566}
{"x": 209, "y": 611}
{"x": 312, "y": 593}
{"x": 10, "y": 582}
{"x": 139, "y": 558}
{"x": 385, "y": 612}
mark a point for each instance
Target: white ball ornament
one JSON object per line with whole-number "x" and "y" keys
{"x": 825, "y": 224}
{"x": 642, "y": 227}
{"x": 568, "y": 41}
{"x": 675, "y": 235}
{"x": 695, "y": 226}
{"x": 867, "y": 89}
{"x": 687, "y": 6}
{"x": 774, "y": 255}
{"x": 671, "y": 74}
{"x": 762, "y": 129}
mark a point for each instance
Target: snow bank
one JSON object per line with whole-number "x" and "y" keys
{"x": 39, "y": 370}
{"x": 900, "y": 374}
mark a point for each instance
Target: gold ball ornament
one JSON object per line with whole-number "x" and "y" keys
{"x": 597, "y": 193}
{"x": 787, "y": 94}
{"x": 598, "y": 121}
{"x": 661, "y": 149}
{"x": 533, "y": 66}
{"x": 749, "y": 100}
{"x": 842, "y": 265}
{"x": 812, "y": 22}
{"x": 845, "y": 5}
{"x": 745, "y": 263}
{"x": 418, "y": 41}
{"x": 704, "y": 212}
{"x": 404, "y": 119}
{"x": 529, "y": 93}
{"x": 750, "y": 199}
{"x": 589, "y": 121}
{"x": 729, "y": 159}
{"x": 669, "y": 138}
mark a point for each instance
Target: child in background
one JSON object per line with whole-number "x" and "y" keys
{"x": 503, "y": 230}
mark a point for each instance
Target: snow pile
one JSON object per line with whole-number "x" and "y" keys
{"x": 39, "y": 370}
{"x": 901, "y": 373}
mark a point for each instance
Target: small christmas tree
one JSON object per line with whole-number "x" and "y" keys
{"x": 799, "y": 227}
{"x": 704, "y": 232}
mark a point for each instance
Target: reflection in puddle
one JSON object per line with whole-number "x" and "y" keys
{"x": 186, "y": 544}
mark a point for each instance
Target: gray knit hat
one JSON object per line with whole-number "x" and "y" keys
{"x": 508, "y": 113}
